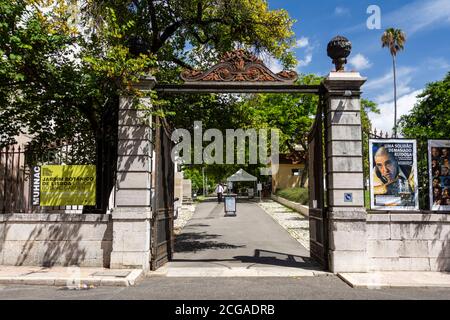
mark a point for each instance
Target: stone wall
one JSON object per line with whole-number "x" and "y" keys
{"x": 408, "y": 241}
{"x": 304, "y": 210}
{"x": 55, "y": 239}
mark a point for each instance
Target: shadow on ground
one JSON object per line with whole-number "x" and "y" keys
{"x": 195, "y": 241}
{"x": 278, "y": 259}
{"x": 264, "y": 257}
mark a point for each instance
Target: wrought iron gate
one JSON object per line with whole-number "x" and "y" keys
{"x": 318, "y": 224}
{"x": 162, "y": 238}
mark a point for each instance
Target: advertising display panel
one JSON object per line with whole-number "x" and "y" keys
{"x": 439, "y": 174}
{"x": 63, "y": 185}
{"x": 393, "y": 176}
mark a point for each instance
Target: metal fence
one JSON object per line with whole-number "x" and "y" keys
{"x": 14, "y": 180}
{"x": 380, "y": 135}
{"x": 16, "y": 162}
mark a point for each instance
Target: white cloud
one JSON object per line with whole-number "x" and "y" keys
{"x": 360, "y": 62}
{"x": 305, "y": 62}
{"x": 274, "y": 65}
{"x": 388, "y": 94}
{"x": 384, "y": 85}
{"x": 419, "y": 15}
{"x": 308, "y": 54}
{"x": 303, "y": 42}
{"x": 413, "y": 17}
{"x": 437, "y": 64}
{"x": 382, "y": 81}
{"x": 385, "y": 120}
{"x": 341, "y": 11}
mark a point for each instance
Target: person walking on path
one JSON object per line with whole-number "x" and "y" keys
{"x": 219, "y": 191}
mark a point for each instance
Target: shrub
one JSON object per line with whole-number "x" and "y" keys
{"x": 299, "y": 195}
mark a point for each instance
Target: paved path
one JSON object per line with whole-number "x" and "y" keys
{"x": 293, "y": 222}
{"x": 250, "y": 244}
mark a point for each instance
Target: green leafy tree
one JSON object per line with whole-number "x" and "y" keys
{"x": 51, "y": 76}
{"x": 429, "y": 119}
{"x": 210, "y": 27}
{"x": 218, "y": 111}
{"x": 31, "y": 67}
{"x": 367, "y": 107}
{"x": 395, "y": 40}
{"x": 62, "y": 70}
{"x": 58, "y": 84}
{"x": 293, "y": 115}
{"x": 83, "y": 70}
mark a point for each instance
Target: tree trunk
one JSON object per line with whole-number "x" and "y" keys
{"x": 395, "y": 96}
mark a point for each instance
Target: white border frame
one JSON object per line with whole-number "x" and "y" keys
{"x": 414, "y": 167}
{"x": 438, "y": 143}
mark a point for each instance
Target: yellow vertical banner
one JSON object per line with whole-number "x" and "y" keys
{"x": 64, "y": 185}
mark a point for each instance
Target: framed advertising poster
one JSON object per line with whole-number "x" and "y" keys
{"x": 393, "y": 176}
{"x": 439, "y": 174}
{"x": 64, "y": 185}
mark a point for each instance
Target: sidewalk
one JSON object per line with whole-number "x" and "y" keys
{"x": 69, "y": 277}
{"x": 233, "y": 270}
{"x": 298, "y": 226}
{"x": 397, "y": 279}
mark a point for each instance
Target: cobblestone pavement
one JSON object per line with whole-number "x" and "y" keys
{"x": 295, "y": 223}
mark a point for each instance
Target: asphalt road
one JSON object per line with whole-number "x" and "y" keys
{"x": 250, "y": 239}
{"x": 156, "y": 288}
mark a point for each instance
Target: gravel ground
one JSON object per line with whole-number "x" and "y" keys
{"x": 184, "y": 215}
{"x": 295, "y": 223}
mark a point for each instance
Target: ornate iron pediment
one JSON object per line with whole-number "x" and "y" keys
{"x": 238, "y": 66}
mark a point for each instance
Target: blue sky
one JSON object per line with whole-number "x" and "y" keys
{"x": 426, "y": 57}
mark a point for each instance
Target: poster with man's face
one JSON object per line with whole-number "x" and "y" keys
{"x": 439, "y": 175}
{"x": 393, "y": 176}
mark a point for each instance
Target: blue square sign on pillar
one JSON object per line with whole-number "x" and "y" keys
{"x": 348, "y": 197}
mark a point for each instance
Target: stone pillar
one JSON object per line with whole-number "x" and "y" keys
{"x": 187, "y": 189}
{"x": 178, "y": 185}
{"x": 132, "y": 213}
{"x": 345, "y": 181}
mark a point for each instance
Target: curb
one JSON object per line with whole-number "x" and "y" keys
{"x": 304, "y": 210}
{"x": 370, "y": 283}
{"x": 130, "y": 280}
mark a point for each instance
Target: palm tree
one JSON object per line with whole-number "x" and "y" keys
{"x": 394, "y": 39}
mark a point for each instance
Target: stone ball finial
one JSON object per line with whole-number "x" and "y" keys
{"x": 339, "y": 49}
